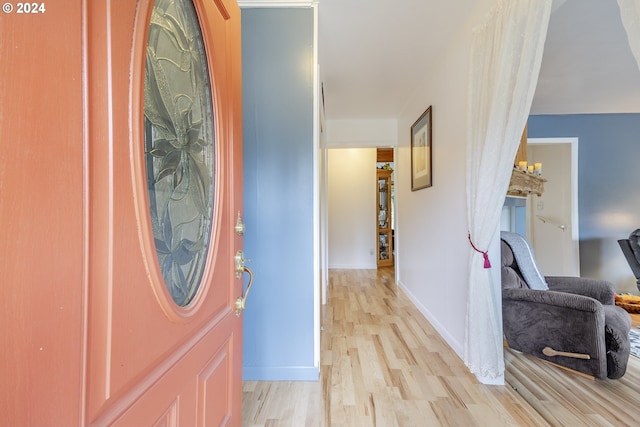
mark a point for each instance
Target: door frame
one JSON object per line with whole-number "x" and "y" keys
{"x": 324, "y": 202}
{"x": 575, "y": 214}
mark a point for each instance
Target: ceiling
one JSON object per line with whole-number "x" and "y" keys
{"x": 369, "y": 62}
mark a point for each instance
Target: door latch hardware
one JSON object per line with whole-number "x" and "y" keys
{"x": 240, "y": 260}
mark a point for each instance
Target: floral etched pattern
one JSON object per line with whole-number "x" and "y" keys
{"x": 179, "y": 148}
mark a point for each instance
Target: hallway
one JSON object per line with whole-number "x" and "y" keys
{"x": 382, "y": 364}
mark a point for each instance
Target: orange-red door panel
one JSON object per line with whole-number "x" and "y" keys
{"x": 149, "y": 360}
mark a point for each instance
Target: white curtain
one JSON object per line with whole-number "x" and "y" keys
{"x": 630, "y": 14}
{"x": 505, "y": 63}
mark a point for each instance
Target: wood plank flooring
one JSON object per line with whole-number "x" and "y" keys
{"x": 383, "y": 364}
{"x": 566, "y": 399}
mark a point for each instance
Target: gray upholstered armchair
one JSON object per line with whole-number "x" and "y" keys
{"x": 631, "y": 250}
{"x": 570, "y": 321}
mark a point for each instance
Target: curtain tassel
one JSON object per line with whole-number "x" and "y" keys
{"x": 485, "y": 254}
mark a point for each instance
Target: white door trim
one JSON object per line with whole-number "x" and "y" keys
{"x": 575, "y": 214}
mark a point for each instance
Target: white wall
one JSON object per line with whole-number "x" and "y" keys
{"x": 431, "y": 244}
{"x": 351, "y": 208}
{"x": 361, "y": 133}
{"x": 351, "y": 188}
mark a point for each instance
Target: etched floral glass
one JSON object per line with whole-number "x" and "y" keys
{"x": 179, "y": 145}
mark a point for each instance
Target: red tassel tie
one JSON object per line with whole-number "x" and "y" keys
{"x": 487, "y": 263}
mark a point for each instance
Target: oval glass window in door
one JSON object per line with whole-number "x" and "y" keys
{"x": 179, "y": 145}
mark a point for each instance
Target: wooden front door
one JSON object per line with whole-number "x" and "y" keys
{"x": 118, "y": 214}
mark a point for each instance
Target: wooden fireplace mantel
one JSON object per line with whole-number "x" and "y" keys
{"x": 523, "y": 184}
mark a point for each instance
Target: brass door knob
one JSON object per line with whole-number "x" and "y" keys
{"x": 241, "y": 302}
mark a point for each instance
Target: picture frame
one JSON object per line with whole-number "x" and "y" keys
{"x": 421, "y": 150}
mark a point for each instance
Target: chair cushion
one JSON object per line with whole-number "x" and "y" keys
{"x": 525, "y": 259}
{"x": 511, "y": 277}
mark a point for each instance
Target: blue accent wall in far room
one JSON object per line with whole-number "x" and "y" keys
{"x": 277, "y": 56}
{"x": 608, "y": 190}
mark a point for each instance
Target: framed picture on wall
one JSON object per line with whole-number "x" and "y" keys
{"x": 421, "y": 152}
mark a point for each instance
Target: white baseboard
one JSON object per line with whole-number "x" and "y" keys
{"x": 455, "y": 345}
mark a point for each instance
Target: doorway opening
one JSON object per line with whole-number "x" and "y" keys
{"x": 357, "y": 233}
{"x": 552, "y": 218}
{"x": 360, "y": 206}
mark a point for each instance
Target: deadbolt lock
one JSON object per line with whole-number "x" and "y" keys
{"x": 239, "y": 225}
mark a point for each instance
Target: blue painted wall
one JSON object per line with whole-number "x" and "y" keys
{"x": 608, "y": 190}
{"x": 277, "y": 45}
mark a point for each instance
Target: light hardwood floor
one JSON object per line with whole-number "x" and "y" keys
{"x": 383, "y": 364}
{"x": 567, "y": 399}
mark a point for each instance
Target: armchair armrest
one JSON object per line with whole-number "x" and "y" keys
{"x": 551, "y": 298}
{"x": 566, "y": 322}
{"x": 601, "y": 290}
